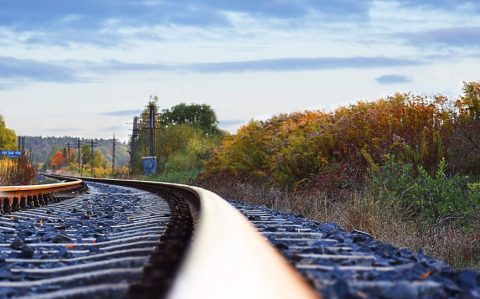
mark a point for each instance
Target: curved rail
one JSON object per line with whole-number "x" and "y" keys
{"x": 227, "y": 257}
{"x": 15, "y": 197}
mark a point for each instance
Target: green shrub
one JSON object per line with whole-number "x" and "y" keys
{"x": 183, "y": 151}
{"x": 434, "y": 198}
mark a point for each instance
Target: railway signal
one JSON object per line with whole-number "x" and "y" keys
{"x": 151, "y": 127}
{"x": 144, "y": 134}
{"x": 149, "y": 164}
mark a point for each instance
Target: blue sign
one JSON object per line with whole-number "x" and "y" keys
{"x": 10, "y": 154}
{"x": 149, "y": 165}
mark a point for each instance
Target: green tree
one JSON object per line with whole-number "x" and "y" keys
{"x": 7, "y": 136}
{"x": 85, "y": 154}
{"x": 98, "y": 159}
{"x": 197, "y": 115}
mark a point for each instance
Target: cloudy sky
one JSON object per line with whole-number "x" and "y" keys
{"x": 85, "y": 68}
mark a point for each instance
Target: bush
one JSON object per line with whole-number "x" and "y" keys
{"x": 288, "y": 150}
{"x": 434, "y": 198}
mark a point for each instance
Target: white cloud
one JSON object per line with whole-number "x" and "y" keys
{"x": 72, "y": 45}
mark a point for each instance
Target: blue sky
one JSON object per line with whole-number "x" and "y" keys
{"x": 85, "y": 68}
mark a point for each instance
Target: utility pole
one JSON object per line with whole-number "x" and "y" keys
{"x": 79, "y": 157}
{"x": 92, "y": 144}
{"x": 113, "y": 155}
{"x": 151, "y": 126}
{"x": 68, "y": 152}
{"x": 133, "y": 143}
{"x": 79, "y": 151}
{"x": 21, "y": 143}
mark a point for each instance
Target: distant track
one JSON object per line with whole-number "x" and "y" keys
{"x": 14, "y": 198}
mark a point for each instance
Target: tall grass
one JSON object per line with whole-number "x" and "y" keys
{"x": 368, "y": 211}
{"x": 19, "y": 171}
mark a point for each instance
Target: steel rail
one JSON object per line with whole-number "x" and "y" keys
{"x": 227, "y": 257}
{"x": 14, "y": 197}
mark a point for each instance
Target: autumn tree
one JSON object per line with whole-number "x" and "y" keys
{"x": 7, "y": 136}
{"x": 58, "y": 160}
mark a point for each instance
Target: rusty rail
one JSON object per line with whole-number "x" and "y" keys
{"x": 13, "y": 198}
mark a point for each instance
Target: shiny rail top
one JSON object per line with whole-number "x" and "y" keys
{"x": 230, "y": 259}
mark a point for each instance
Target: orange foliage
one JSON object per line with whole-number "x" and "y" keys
{"x": 288, "y": 150}
{"x": 58, "y": 160}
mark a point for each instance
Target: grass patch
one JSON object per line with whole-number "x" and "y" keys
{"x": 388, "y": 221}
{"x": 180, "y": 177}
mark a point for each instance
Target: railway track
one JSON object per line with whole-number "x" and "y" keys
{"x": 92, "y": 243}
{"x": 14, "y": 198}
{"x": 137, "y": 239}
